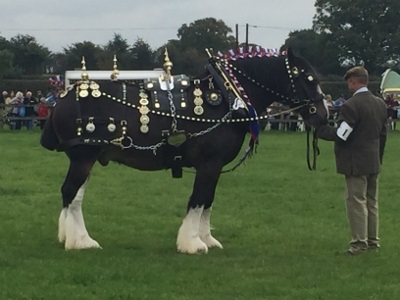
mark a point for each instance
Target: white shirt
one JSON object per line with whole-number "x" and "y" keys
{"x": 361, "y": 89}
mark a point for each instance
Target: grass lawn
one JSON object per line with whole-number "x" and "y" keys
{"x": 280, "y": 224}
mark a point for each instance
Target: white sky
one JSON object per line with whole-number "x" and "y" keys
{"x": 59, "y": 24}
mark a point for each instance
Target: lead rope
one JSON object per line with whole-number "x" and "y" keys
{"x": 315, "y": 148}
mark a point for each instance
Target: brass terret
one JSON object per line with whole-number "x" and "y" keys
{"x": 115, "y": 72}
{"x": 167, "y": 65}
{"x": 85, "y": 75}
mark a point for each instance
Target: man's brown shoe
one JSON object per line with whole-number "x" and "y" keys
{"x": 353, "y": 252}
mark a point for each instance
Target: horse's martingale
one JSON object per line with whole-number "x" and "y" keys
{"x": 173, "y": 122}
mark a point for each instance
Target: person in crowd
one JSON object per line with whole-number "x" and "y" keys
{"x": 2, "y": 108}
{"x": 7, "y": 101}
{"x": 359, "y": 145}
{"x": 52, "y": 96}
{"x": 292, "y": 118}
{"x": 29, "y": 103}
{"x": 274, "y": 117}
{"x": 17, "y": 109}
{"x": 43, "y": 111}
{"x": 39, "y": 94}
{"x": 391, "y": 110}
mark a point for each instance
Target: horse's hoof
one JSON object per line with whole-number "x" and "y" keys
{"x": 83, "y": 243}
{"x": 211, "y": 242}
{"x": 196, "y": 246}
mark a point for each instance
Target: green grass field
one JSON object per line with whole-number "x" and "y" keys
{"x": 281, "y": 226}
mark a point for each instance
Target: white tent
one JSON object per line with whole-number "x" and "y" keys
{"x": 390, "y": 83}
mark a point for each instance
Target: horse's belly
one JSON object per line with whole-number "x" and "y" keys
{"x": 138, "y": 159}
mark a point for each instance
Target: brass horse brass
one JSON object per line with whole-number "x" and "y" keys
{"x": 177, "y": 138}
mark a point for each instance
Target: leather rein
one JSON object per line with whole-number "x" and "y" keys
{"x": 314, "y": 148}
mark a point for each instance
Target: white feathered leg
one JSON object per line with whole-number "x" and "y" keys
{"x": 76, "y": 235}
{"x": 61, "y": 225}
{"x": 205, "y": 230}
{"x": 188, "y": 240}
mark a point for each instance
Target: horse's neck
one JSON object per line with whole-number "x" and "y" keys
{"x": 270, "y": 77}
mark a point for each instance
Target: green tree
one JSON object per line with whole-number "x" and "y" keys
{"x": 188, "y": 61}
{"x": 119, "y": 47}
{"x": 29, "y": 56}
{"x": 206, "y": 33}
{"x": 6, "y": 63}
{"x": 317, "y": 49}
{"x": 188, "y": 52}
{"x": 90, "y": 51}
{"x": 364, "y": 31}
{"x": 141, "y": 56}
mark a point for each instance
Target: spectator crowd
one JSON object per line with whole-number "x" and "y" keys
{"x": 19, "y": 110}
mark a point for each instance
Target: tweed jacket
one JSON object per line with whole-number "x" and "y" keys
{"x": 362, "y": 152}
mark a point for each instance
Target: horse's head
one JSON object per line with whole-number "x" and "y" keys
{"x": 305, "y": 91}
{"x": 265, "y": 76}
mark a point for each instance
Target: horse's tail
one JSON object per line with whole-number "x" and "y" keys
{"x": 49, "y": 139}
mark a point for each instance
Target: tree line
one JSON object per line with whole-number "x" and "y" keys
{"x": 344, "y": 34}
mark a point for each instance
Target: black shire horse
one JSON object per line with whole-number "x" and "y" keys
{"x": 171, "y": 122}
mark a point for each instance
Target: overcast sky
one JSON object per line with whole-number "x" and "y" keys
{"x": 59, "y": 24}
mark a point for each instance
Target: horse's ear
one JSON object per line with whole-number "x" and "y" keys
{"x": 290, "y": 54}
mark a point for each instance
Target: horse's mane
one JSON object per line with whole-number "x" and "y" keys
{"x": 250, "y": 52}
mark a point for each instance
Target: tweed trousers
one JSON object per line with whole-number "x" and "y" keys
{"x": 361, "y": 194}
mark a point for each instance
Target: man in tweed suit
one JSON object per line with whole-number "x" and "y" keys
{"x": 359, "y": 144}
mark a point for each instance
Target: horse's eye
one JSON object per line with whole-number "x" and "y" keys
{"x": 310, "y": 78}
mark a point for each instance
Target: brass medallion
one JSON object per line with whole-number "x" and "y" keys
{"x": 63, "y": 94}
{"x": 83, "y": 93}
{"x": 144, "y": 128}
{"x": 83, "y": 86}
{"x": 90, "y": 127}
{"x": 214, "y": 97}
{"x": 96, "y": 93}
{"x": 177, "y": 139}
{"x": 143, "y": 101}
{"x": 111, "y": 127}
{"x": 198, "y": 101}
{"x": 144, "y": 110}
{"x": 143, "y": 95}
{"x": 94, "y": 86}
{"x": 197, "y": 92}
{"x": 198, "y": 110}
{"x": 144, "y": 119}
